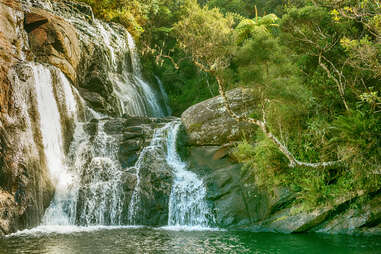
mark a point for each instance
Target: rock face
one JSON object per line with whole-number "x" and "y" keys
{"x": 236, "y": 202}
{"x": 25, "y": 188}
{"x": 53, "y": 40}
{"x": 208, "y": 123}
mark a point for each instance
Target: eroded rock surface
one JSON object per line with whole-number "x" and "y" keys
{"x": 208, "y": 123}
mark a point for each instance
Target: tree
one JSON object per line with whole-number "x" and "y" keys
{"x": 207, "y": 35}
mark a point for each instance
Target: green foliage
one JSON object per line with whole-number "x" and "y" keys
{"x": 132, "y": 14}
{"x": 358, "y": 140}
{"x": 246, "y": 8}
{"x": 205, "y": 34}
{"x": 263, "y": 159}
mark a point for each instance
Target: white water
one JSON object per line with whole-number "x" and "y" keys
{"x": 187, "y": 203}
{"x": 136, "y": 96}
{"x": 101, "y": 191}
{"x": 66, "y": 229}
{"x": 147, "y": 90}
{"x": 106, "y": 36}
{"x": 164, "y": 95}
{"x": 157, "y": 143}
{"x": 52, "y": 139}
{"x": 68, "y": 96}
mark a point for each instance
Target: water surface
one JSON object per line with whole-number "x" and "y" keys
{"x": 65, "y": 240}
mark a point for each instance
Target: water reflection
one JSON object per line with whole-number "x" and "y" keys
{"x": 149, "y": 240}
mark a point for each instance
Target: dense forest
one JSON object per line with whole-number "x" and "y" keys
{"x": 315, "y": 67}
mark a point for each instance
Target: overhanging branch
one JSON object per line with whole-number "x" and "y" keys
{"x": 262, "y": 124}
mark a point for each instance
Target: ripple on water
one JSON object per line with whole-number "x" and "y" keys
{"x": 139, "y": 239}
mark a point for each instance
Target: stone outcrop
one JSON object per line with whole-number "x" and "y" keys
{"x": 53, "y": 40}
{"x": 208, "y": 123}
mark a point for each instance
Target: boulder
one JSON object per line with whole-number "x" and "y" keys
{"x": 53, "y": 40}
{"x": 208, "y": 123}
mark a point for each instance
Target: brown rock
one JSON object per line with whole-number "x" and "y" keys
{"x": 53, "y": 40}
{"x": 10, "y": 46}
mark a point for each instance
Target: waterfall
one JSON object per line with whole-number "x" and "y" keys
{"x": 187, "y": 203}
{"x": 52, "y": 138}
{"x": 136, "y": 96}
{"x": 100, "y": 193}
{"x": 82, "y": 156}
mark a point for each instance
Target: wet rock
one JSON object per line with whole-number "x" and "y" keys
{"x": 25, "y": 187}
{"x": 127, "y": 137}
{"x": 155, "y": 188}
{"x": 208, "y": 123}
{"x": 359, "y": 219}
{"x": 235, "y": 202}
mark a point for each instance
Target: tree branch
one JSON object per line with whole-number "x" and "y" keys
{"x": 262, "y": 124}
{"x": 337, "y": 81}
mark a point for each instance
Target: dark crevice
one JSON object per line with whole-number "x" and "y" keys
{"x": 30, "y": 27}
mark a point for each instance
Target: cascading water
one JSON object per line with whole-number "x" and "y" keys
{"x": 187, "y": 203}
{"x": 152, "y": 150}
{"x": 52, "y": 138}
{"x": 148, "y": 92}
{"x": 164, "y": 95}
{"x": 136, "y": 96}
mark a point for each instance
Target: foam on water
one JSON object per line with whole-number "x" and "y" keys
{"x": 189, "y": 228}
{"x": 68, "y": 229}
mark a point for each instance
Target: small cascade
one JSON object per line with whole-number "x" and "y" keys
{"x": 164, "y": 95}
{"x": 187, "y": 203}
{"x": 135, "y": 95}
{"x": 100, "y": 194}
{"x": 137, "y": 75}
{"x": 107, "y": 41}
{"x": 156, "y": 145}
